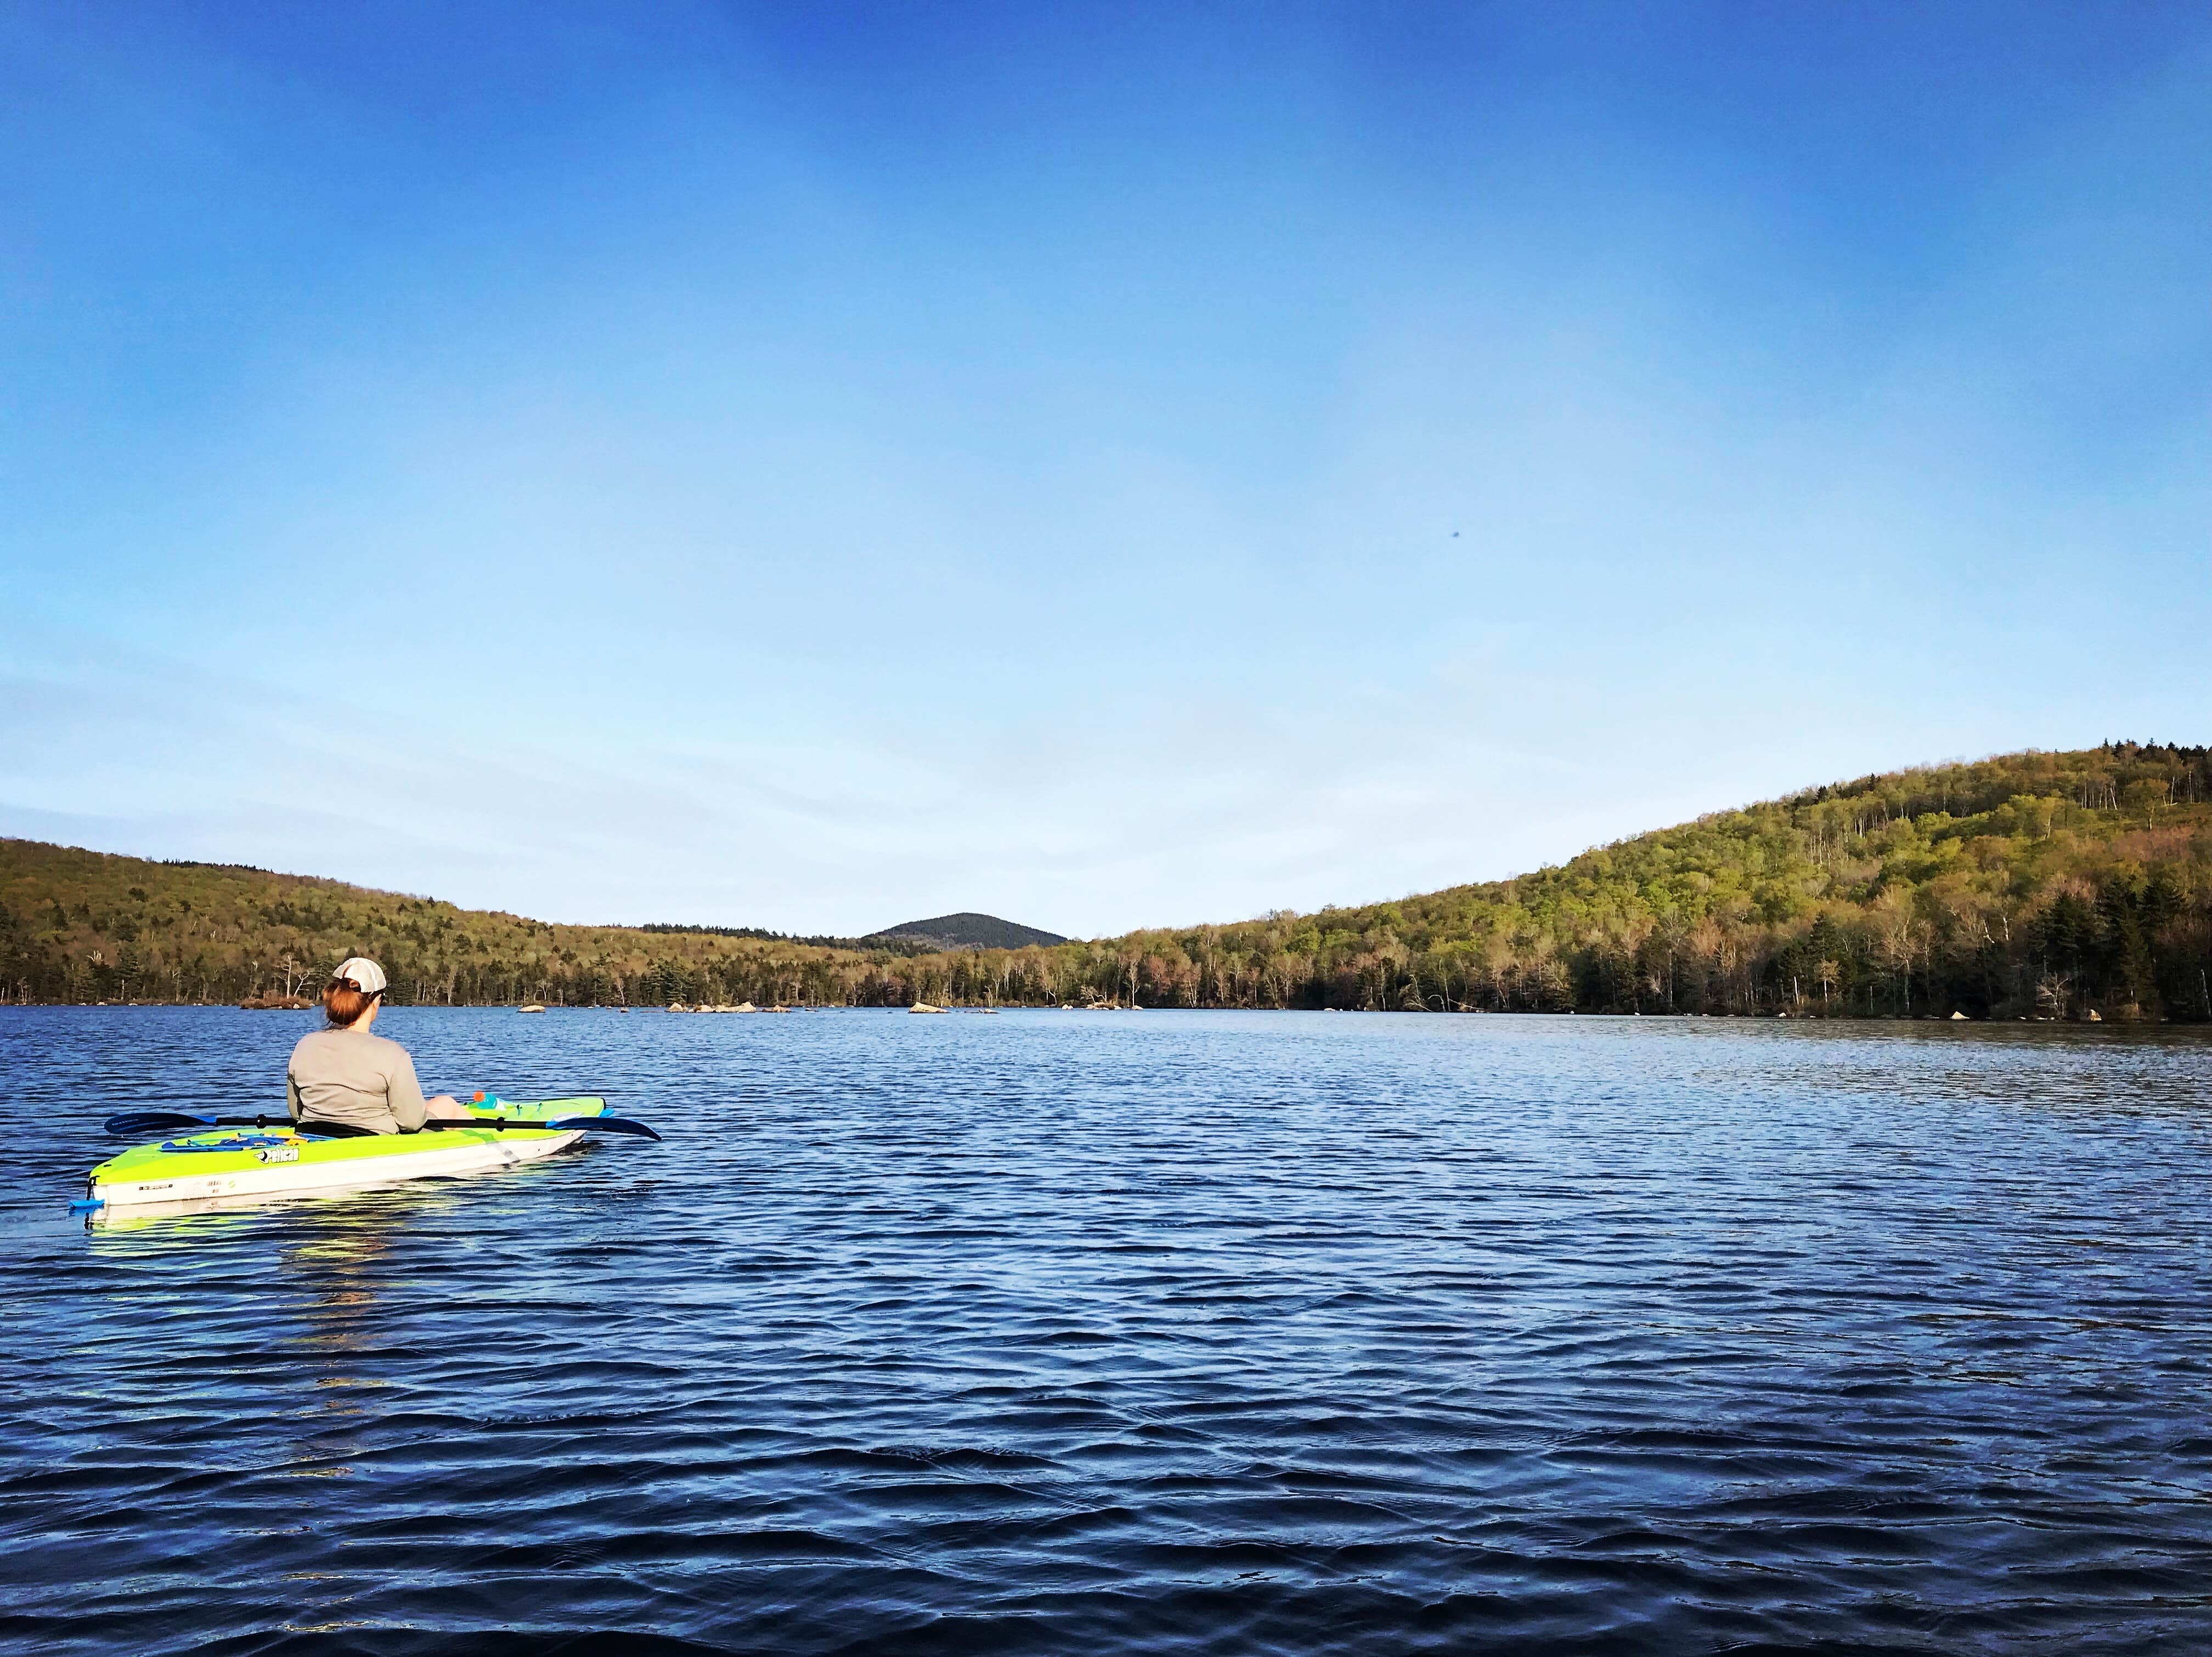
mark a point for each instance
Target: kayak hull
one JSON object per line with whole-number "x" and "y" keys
{"x": 248, "y": 1162}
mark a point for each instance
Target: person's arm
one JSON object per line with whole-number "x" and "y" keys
{"x": 404, "y": 1094}
{"x": 409, "y": 1107}
{"x": 292, "y": 1095}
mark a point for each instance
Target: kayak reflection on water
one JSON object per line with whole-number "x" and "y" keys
{"x": 347, "y": 1077}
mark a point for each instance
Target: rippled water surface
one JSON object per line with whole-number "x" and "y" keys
{"x": 1069, "y": 1332}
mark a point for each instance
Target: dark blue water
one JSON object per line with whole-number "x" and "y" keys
{"x": 1206, "y": 1332}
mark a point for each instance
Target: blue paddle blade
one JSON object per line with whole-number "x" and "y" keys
{"x": 605, "y": 1124}
{"x": 155, "y": 1121}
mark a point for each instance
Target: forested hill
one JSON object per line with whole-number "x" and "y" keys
{"x": 78, "y": 925}
{"x": 965, "y": 931}
{"x": 2033, "y": 885}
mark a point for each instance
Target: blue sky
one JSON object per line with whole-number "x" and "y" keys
{"x": 812, "y": 467}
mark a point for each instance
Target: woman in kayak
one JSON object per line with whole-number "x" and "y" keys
{"x": 348, "y": 1077}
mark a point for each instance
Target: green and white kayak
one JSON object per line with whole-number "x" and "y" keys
{"x": 275, "y": 1161}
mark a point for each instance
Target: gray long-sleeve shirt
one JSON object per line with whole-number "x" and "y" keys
{"x": 352, "y": 1077}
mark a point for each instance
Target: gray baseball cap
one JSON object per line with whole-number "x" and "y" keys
{"x": 367, "y": 976}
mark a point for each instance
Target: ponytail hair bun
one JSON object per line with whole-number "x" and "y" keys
{"x": 345, "y": 1001}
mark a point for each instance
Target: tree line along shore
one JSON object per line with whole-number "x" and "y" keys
{"x": 2033, "y": 885}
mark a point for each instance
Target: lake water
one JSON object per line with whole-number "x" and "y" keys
{"x": 1209, "y": 1332}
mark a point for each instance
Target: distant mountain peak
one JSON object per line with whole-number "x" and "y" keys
{"x": 968, "y": 931}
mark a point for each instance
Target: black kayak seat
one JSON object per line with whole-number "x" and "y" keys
{"x": 333, "y": 1130}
